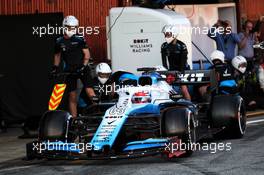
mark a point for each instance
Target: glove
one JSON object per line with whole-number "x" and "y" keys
{"x": 54, "y": 71}
{"x": 95, "y": 99}
{"x": 175, "y": 96}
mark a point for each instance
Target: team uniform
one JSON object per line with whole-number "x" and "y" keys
{"x": 223, "y": 71}
{"x": 227, "y": 82}
{"x": 72, "y": 54}
{"x": 102, "y": 91}
{"x": 174, "y": 58}
{"x": 175, "y": 55}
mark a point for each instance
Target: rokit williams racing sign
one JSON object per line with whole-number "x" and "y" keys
{"x": 140, "y": 46}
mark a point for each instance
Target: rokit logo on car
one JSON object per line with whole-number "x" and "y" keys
{"x": 114, "y": 117}
{"x": 195, "y": 77}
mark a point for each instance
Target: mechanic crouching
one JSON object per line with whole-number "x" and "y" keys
{"x": 102, "y": 87}
{"x": 239, "y": 64}
{"x": 73, "y": 50}
{"x": 223, "y": 72}
{"x": 174, "y": 54}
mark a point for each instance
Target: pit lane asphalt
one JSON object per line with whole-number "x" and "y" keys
{"x": 246, "y": 157}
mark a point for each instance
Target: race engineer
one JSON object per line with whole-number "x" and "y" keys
{"x": 73, "y": 50}
{"x": 174, "y": 54}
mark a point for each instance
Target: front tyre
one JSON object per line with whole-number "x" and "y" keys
{"x": 190, "y": 138}
{"x": 179, "y": 123}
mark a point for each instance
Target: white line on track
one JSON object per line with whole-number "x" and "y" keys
{"x": 255, "y": 121}
{"x": 15, "y": 168}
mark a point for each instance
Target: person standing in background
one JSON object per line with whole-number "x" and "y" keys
{"x": 248, "y": 38}
{"x": 225, "y": 39}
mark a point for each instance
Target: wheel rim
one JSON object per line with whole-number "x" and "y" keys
{"x": 191, "y": 130}
{"x": 242, "y": 122}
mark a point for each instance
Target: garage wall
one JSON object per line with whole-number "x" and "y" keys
{"x": 203, "y": 17}
{"x": 89, "y": 12}
{"x": 251, "y": 9}
{"x": 25, "y": 63}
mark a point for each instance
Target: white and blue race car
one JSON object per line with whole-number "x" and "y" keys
{"x": 149, "y": 118}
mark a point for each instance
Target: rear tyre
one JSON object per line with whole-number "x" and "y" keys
{"x": 238, "y": 127}
{"x": 228, "y": 112}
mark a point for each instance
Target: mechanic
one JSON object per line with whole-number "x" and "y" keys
{"x": 253, "y": 98}
{"x": 223, "y": 70}
{"x": 105, "y": 86}
{"x": 239, "y": 64}
{"x": 73, "y": 50}
{"x": 225, "y": 40}
{"x": 102, "y": 86}
{"x": 175, "y": 52}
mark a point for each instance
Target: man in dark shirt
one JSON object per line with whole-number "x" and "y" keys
{"x": 73, "y": 50}
{"x": 174, "y": 54}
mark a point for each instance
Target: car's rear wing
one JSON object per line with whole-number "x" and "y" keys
{"x": 191, "y": 77}
{"x": 188, "y": 77}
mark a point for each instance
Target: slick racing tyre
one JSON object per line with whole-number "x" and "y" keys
{"x": 55, "y": 125}
{"x": 179, "y": 122}
{"x": 228, "y": 112}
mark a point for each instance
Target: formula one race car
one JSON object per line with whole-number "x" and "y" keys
{"x": 148, "y": 119}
